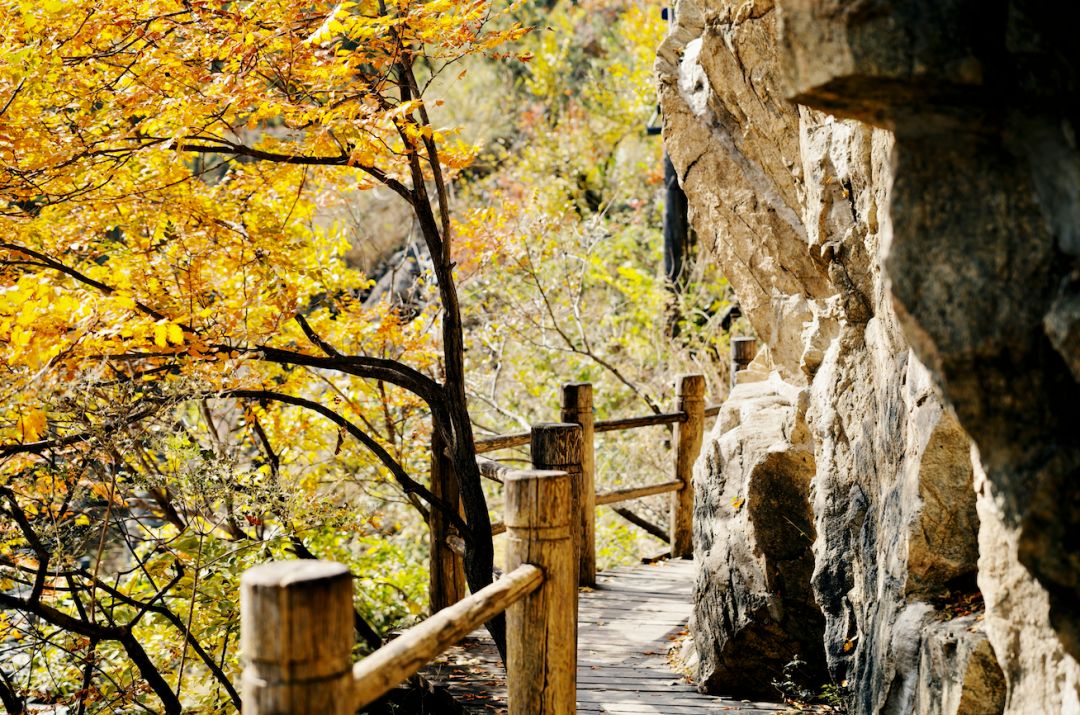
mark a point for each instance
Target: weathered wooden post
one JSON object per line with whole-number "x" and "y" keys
{"x": 577, "y": 408}
{"x": 541, "y": 659}
{"x": 689, "y": 398}
{"x": 743, "y": 350}
{"x": 558, "y": 447}
{"x": 446, "y": 573}
{"x": 296, "y": 638}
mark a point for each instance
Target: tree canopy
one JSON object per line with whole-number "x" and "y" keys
{"x": 163, "y": 166}
{"x": 199, "y": 377}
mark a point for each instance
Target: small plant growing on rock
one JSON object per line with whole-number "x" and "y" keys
{"x": 792, "y": 686}
{"x": 797, "y": 689}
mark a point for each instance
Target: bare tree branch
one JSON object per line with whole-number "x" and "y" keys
{"x": 407, "y": 483}
{"x": 214, "y": 145}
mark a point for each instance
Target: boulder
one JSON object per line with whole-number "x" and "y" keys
{"x": 753, "y": 593}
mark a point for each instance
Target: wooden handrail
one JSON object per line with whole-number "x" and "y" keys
{"x": 296, "y": 617}
{"x": 503, "y": 441}
{"x": 577, "y": 408}
{"x": 687, "y": 415}
{"x": 404, "y": 656}
{"x": 297, "y": 635}
{"x": 624, "y": 423}
{"x": 495, "y": 471}
{"x": 614, "y": 497}
{"x": 617, "y": 495}
{"x": 519, "y": 439}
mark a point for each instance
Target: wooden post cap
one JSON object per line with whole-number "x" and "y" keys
{"x": 538, "y": 500}
{"x": 690, "y": 387}
{"x": 283, "y": 574}
{"x": 557, "y": 445}
{"x": 577, "y": 397}
{"x": 743, "y": 350}
{"x": 296, "y": 637}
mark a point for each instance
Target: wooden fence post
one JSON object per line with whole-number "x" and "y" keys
{"x": 742, "y": 354}
{"x": 541, "y": 660}
{"x": 689, "y": 398}
{"x": 446, "y": 572}
{"x": 558, "y": 447}
{"x": 577, "y": 408}
{"x": 296, "y": 638}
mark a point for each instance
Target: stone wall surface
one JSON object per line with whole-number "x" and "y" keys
{"x": 893, "y": 190}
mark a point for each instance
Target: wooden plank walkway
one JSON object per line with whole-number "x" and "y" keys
{"x": 627, "y": 625}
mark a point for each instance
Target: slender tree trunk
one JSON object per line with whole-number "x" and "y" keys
{"x": 457, "y": 426}
{"x": 676, "y": 243}
{"x": 455, "y": 422}
{"x": 479, "y": 552}
{"x": 12, "y": 701}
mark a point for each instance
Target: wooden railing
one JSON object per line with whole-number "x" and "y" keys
{"x": 296, "y": 618}
{"x": 570, "y": 446}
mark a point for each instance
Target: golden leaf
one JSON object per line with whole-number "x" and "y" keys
{"x": 33, "y": 425}
{"x": 175, "y": 334}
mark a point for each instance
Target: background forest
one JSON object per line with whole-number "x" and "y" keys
{"x": 230, "y": 275}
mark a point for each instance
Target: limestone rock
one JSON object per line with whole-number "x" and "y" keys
{"x": 959, "y": 672}
{"x": 742, "y": 143}
{"x": 983, "y": 246}
{"x": 914, "y": 277}
{"x": 942, "y": 546}
{"x": 799, "y": 207}
{"x": 1041, "y": 676}
{"x": 875, "y": 55}
{"x": 753, "y": 595}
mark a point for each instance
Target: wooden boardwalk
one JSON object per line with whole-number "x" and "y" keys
{"x": 627, "y": 626}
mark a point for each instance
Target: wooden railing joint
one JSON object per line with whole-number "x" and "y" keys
{"x": 297, "y": 634}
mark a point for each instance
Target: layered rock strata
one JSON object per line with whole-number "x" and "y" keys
{"x": 912, "y": 270}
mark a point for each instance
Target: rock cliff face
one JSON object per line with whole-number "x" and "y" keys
{"x": 904, "y": 237}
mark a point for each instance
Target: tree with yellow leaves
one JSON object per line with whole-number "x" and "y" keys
{"x": 174, "y": 313}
